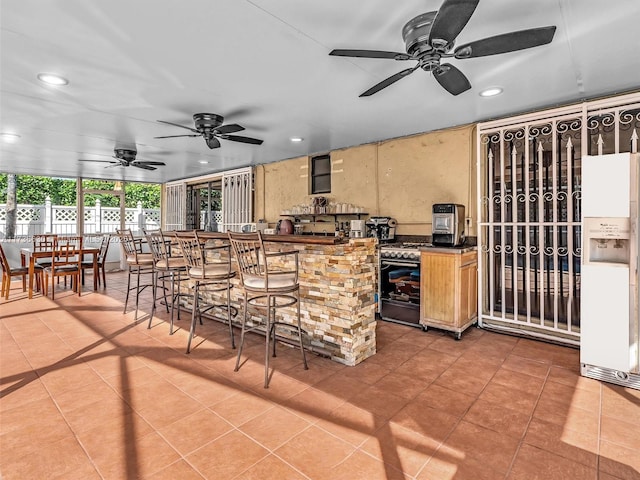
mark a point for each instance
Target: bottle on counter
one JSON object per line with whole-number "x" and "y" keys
{"x": 337, "y": 233}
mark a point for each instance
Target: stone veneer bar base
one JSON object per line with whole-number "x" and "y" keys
{"x": 337, "y": 291}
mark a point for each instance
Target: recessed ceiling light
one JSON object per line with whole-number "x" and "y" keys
{"x": 52, "y": 79}
{"x": 204, "y": 162}
{"x": 9, "y": 137}
{"x": 296, "y": 139}
{"x": 491, "y": 92}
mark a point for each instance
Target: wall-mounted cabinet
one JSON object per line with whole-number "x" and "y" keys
{"x": 449, "y": 289}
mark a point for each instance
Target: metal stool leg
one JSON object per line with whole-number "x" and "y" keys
{"x": 233, "y": 342}
{"x": 193, "y": 315}
{"x": 126, "y": 299}
{"x": 242, "y": 333}
{"x": 135, "y": 318}
{"x": 154, "y": 288}
{"x": 267, "y": 339}
{"x": 304, "y": 357}
{"x": 173, "y": 301}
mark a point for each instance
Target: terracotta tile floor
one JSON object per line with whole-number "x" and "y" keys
{"x": 88, "y": 393}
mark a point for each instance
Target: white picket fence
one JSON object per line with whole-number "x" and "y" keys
{"x": 48, "y": 218}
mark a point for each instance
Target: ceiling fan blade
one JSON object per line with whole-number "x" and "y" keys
{"x": 388, "y": 81}
{"x": 238, "y": 138}
{"x": 451, "y": 79}
{"x": 212, "y": 142}
{"x": 451, "y": 19}
{"x": 175, "y": 136}
{"x": 97, "y": 161}
{"x": 231, "y": 128}
{"x": 507, "y": 42}
{"x": 145, "y": 167}
{"x": 137, "y": 163}
{"x": 369, "y": 54}
{"x": 178, "y": 125}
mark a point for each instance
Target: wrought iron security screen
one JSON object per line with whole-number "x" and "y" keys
{"x": 175, "y": 210}
{"x": 529, "y": 237}
{"x": 237, "y": 199}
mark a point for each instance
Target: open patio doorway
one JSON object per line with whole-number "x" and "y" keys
{"x": 204, "y": 206}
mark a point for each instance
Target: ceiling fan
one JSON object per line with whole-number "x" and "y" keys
{"x": 126, "y": 158}
{"x": 430, "y": 37}
{"x": 210, "y": 127}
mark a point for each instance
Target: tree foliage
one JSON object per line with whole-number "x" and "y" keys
{"x": 62, "y": 191}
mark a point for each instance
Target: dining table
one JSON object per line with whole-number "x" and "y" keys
{"x": 33, "y": 254}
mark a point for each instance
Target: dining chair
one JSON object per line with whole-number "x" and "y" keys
{"x": 66, "y": 259}
{"x": 168, "y": 266}
{"x": 267, "y": 285}
{"x": 209, "y": 267}
{"x": 44, "y": 242}
{"x": 102, "y": 258}
{"x": 8, "y": 272}
{"x": 138, "y": 263}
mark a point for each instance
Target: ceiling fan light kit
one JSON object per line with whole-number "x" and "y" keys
{"x": 430, "y": 37}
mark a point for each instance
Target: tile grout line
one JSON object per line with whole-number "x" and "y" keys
{"x": 466, "y": 411}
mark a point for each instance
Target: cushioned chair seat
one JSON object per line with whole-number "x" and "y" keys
{"x": 210, "y": 270}
{"x": 141, "y": 259}
{"x": 283, "y": 280}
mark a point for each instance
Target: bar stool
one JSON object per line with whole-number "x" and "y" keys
{"x": 167, "y": 266}
{"x": 138, "y": 263}
{"x": 211, "y": 273}
{"x": 266, "y": 287}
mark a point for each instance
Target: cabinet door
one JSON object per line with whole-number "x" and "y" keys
{"x": 469, "y": 292}
{"x": 438, "y": 277}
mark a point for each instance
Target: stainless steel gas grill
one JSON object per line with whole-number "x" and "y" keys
{"x": 399, "y": 283}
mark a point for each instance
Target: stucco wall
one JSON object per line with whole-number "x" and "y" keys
{"x": 400, "y": 178}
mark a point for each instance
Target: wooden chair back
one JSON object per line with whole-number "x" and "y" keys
{"x": 44, "y": 242}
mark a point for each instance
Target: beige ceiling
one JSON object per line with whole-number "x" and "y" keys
{"x": 264, "y": 64}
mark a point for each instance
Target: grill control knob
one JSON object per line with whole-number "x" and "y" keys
{"x": 413, "y": 256}
{"x": 405, "y": 254}
{"x": 392, "y": 254}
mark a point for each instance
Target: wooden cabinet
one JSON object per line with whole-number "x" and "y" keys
{"x": 449, "y": 289}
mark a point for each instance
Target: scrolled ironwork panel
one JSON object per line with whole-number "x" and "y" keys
{"x": 526, "y": 209}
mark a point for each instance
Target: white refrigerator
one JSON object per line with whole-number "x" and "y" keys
{"x": 609, "y": 329}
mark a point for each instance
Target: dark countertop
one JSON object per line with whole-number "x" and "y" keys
{"x": 307, "y": 239}
{"x": 461, "y": 249}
